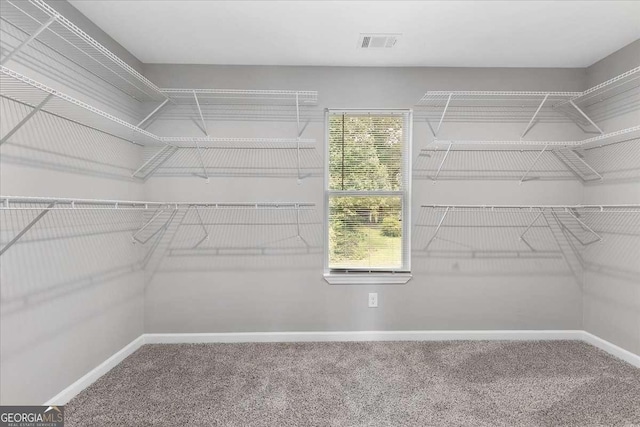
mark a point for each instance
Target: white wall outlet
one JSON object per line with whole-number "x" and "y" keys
{"x": 373, "y": 299}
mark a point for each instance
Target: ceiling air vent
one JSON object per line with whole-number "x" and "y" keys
{"x": 371, "y": 41}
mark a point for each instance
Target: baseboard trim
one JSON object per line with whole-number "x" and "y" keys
{"x": 70, "y": 392}
{"x": 335, "y": 336}
{"x": 328, "y": 336}
{"x": 612, "y": 349}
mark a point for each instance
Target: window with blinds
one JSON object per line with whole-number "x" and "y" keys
{"x": 368, "y": 191}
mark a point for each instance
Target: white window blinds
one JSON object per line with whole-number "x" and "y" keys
{"x": 368, "y": 188}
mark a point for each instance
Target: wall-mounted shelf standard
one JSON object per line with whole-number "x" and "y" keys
{"x": 44, "y": 205}
{"x": 564, "y": 151}
{"x": 39, "y": 21}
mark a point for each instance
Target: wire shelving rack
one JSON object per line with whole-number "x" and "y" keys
{"x": 42, "y": 23}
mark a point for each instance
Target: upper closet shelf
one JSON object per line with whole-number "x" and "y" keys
{"x": 618, "y": 85}
{"x": 597, "y": 141}
{"x": 40, "y": 97}
{"x": 534, "y": 107}
{"x": 39, "y": 21}
{"x": 242, "y": 97}
{"x": 462, "y": 106}
{"x": 221, "y": 142}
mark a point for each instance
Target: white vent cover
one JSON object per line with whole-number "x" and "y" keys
{"x": 371, "y": 41}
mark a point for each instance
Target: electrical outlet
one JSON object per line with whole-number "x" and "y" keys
{"x": 373, "y": 299}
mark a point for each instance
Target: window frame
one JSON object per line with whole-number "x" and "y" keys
{"x": 373, "y": 276}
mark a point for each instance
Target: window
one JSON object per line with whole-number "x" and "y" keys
{"x": 367, "y": 203}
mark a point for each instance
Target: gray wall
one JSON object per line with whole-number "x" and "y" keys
{"x": 612, "y": 281}
{"x": 287, "y": 293}
{"x": 71, "y": 293}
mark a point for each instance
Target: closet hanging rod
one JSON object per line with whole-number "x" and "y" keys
{"x": 7, "y": 203}
{"x": 534, "y": 208}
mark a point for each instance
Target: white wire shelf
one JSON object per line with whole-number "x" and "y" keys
{"x": 462, "y": 106}
{"x": 517, "y": 238}
{"x": 622, "y": 135}
{"x": 40, "y": 97}
{"x": 23, "y": 202}
{"x": 517, "y": 99}
{"x": 623, "y": 208}
{"x": 618, "y": 85}
{"x": 39, "y": 21}
{"x": 20, "y": 88}
{"x": 236, "y": 96}
{"x": 547, "y": 159}
{"x": 535, "y": 106}
{"x": 240, "y": 143}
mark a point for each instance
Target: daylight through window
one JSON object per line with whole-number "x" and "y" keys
{"x": 368, "y": 190}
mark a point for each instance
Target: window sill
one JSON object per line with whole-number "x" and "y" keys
{"x": 367, "y": 278}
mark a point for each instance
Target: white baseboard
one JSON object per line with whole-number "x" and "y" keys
{"x": 612, "y": 349}
{"x": 68, "y": 393}
{"x": 325, "y": 336}
{"x": 239, "y": 337}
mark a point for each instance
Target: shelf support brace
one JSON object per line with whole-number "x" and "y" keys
{"x": 27, "y": 228}
{"x": 135, "y": 235}
{"x": 160, "y": 151}
{"x": 204, "y": 168}
{"x": 204, "y": 125}
{"x": 533, "y": 164}
{"x": 151, "y": 114}
{"x": 446, "y": 106}
{"x": 29, "y": 40}
{"x": 586, "y": 227}
{"x": 522, "y": 239}
{"x": 25, "y": 119}
{"x": 435, "y": 178}
{"x": 530, "y": 125}
{"x": 586, "y": 164}
{"x": 586, "y": 117}
{"x": 204, "y": 229}
{"x": 435, "y": 234}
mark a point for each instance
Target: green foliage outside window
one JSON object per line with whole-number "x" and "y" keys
{"x": 365, "y": 155}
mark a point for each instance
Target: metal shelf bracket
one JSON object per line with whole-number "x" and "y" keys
{"x": 25, "y": 119}
{"x": 534, "y": 163}
{"x": 27, "y": 227}
{"x": 29, "y": 39}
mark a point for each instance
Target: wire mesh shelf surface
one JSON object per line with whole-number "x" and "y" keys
{"x": 65, "y": 37}
{"x": 22, "y": 89}
{"x": 622, "y": 135}
{"x": 543, "y": 106}
{"x": 237, "y": 96}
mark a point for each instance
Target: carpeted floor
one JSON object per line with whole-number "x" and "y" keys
{"x": 455, "y": 383}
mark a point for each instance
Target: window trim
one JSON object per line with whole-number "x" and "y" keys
{"x": 376, "y": 277}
